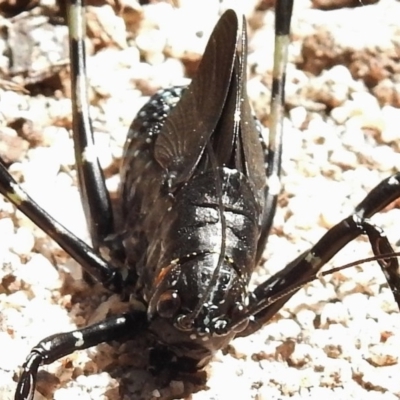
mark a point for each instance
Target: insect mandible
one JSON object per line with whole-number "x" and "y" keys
{"x": 195, "y": 229}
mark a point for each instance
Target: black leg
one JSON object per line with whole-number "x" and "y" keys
{"x": 91, "y": 262}
{"x": 93, "y": 191}
{"x": 56, "y": 346}
{"x": 274, "y": 156}
{"x": 94, "y": 194}
{"x": 271, "y": 295}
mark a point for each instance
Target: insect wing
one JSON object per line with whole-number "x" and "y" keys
{"x": 227, "y": 131}
{"x": 250, "y": 137}
{"x": 237, "y": 140}
{"x": 184, "y": 135}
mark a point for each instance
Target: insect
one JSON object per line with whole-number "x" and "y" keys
{"x": 194, "y": 326}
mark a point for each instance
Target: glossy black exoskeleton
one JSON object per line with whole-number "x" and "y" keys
{"x": 194, "y": 199}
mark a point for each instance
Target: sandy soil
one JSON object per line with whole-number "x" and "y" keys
{"x": 335, "y": 339}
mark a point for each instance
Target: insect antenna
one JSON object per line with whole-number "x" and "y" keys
{"x": 390, "y": 270}
{"x": 392, "y": 276}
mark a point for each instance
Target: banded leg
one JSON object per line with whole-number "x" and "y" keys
{"x": 94, "y": 194}
{"x": 99, "y": 205}
{"x": 56, "y": 346}
{"x": 283, "y": 15}
{"x": 271, "y": 295}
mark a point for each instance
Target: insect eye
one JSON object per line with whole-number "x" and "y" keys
{"x": 168, "y": 304}
{"x": 184, "y": 323}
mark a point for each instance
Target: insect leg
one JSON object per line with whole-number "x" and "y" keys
{"x": 56, "y": 346}
{"x": 91, "y": 262}
{"x": 280, "y": 286}
{"x": 94, "y": 194}
{"x": 283, "y": 15}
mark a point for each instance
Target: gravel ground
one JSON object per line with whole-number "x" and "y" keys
{"x": 338, "y": 338}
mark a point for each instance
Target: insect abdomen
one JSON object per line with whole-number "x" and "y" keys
{"x": 164, "y": 227}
